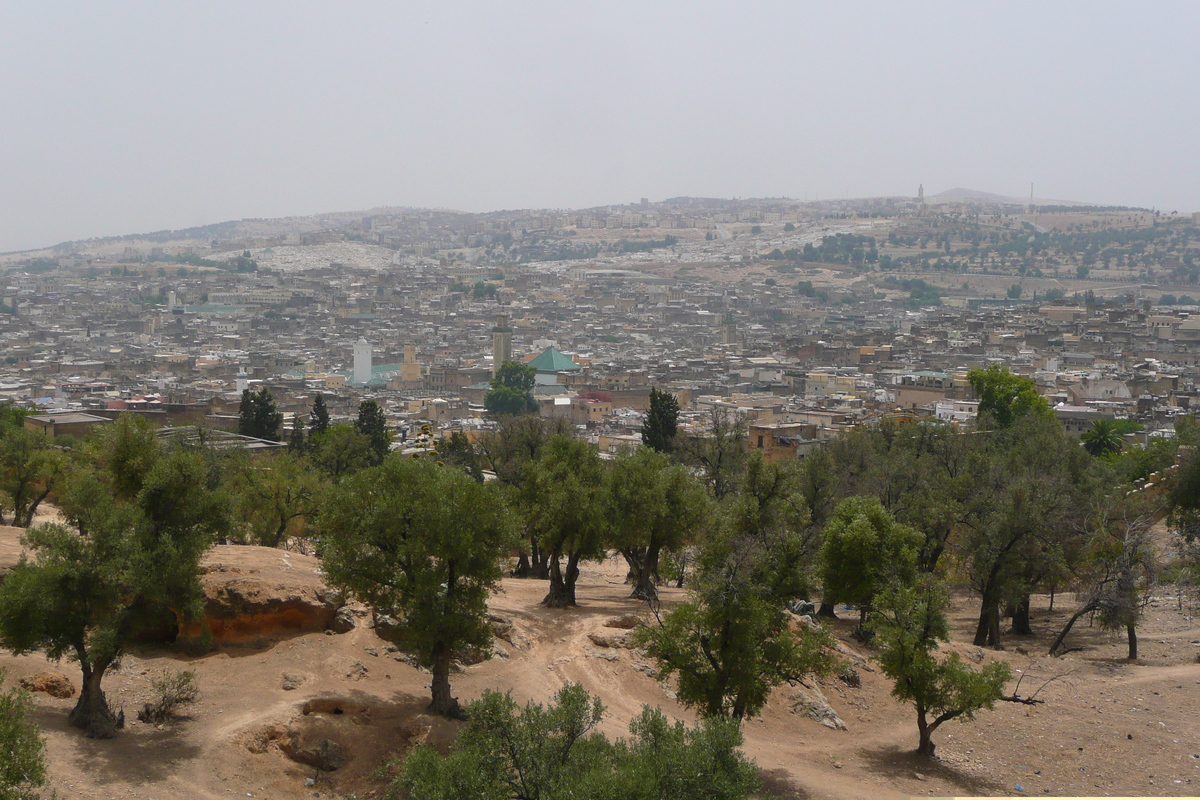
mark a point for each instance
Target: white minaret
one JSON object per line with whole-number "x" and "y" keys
{"x": 362, "y": 362}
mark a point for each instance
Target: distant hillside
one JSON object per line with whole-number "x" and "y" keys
{"x": 959, "y": 195}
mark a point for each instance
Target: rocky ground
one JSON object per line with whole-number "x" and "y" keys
{"x": 283, "y": 695}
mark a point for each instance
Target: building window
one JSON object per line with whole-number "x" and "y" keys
{"x": 760, "y": 442}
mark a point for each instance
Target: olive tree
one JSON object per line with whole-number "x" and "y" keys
{"x": 421, "y": 542}
{"x": 137, "y": 566}
{"x": 653, "y": 505}
{"x": 909, "y": 622}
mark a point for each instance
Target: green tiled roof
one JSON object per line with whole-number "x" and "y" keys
{"x": 553, "y": 361}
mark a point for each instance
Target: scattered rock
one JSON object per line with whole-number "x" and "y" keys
{"x": 1018, "y": 788}
{"x": 627, "y": 622}
{"x": 291, "y": 682}
{"x": 51, "y": 683}
{"x": 918, "y": 776}
{"x": 504, "y": 629}
{"x": 388, "y": 628}
{"x": 324, "y": 754}
{"x": 802, "y": 607}
{"x": 607, "y": 655}
{"x": 810, "y": 701}
{"x": 343, "y": 621}
{"x": 357, "y": 671}
{"x": 849, "y": 676}
{"x": 607, "y": 640}
{"x": 810, "y": 623}
{"x": 975, "y": 654}
{"x": 499, "y": 650}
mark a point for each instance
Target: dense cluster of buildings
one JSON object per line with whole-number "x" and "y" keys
{"x": 349, "y": 318}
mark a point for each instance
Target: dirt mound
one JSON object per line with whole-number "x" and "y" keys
{"x": 252, "y": 593}
{"x": 51, "y": 683}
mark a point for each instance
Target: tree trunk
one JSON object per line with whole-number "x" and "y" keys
{"x": 1131, "y": 630}
{"x": 926, "y": 746}
{"x": 31, "y": 511}
{"x": 1020, "y": 618}
{"x": 1067, "y": 628}
{"x": 539, "y": 560}
{"x": 562, "y": 582}
{"x": 826, "y": 610}
{"x": 91, "y": 712}
{"x": 987, "y": 632}
{"x": 641, "y": 573}
{"x": 443, "y": 702}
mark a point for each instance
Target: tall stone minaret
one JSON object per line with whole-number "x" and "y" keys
{"x": 501, "y": 343}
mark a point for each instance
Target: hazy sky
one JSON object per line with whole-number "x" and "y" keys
{"x": 124, "y": 117}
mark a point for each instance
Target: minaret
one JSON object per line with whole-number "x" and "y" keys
{"x": 729, "y": 330}
{"x": 362, "y": 362}
{"x": 501, "y": 343}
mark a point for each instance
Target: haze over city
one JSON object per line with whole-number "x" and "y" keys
{"x": 133, "y": 117}
{"x": 601, "y": 402}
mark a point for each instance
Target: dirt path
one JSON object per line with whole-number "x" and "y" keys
{"x": 1077, "y": 743}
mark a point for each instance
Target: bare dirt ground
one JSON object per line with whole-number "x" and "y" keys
{"x": 1108, "y": 727}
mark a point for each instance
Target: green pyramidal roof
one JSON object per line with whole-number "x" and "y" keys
{"x": 553, "y": 361}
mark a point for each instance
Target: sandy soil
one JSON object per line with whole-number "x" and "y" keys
{"x": 1077, "y": 743}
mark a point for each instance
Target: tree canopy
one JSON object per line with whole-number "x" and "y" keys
{"x": 1004, "y": 397}
{"x": 512, "y": 390}
{"x": 420, "y": 542}
{"x": 137, "y": 567}
{"x": 257, "y": 415}
{"x": 662, "y": 421}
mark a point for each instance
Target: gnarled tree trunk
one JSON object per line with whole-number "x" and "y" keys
{"x": 443, "y": 702}
{"x": 1020, "y": 617}
{"x": 91, "y": 712}
{"x": 562, "y": 581}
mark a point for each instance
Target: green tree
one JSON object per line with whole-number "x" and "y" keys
{"x": 1014, "y": 292}
{"x": 909, "y": 623}
{"x": 372, "y": 424}
{"x": 422, "y": 543}
{"x": 1035, "y": 487}
{"x": 318, "y": 420}
{"x": 276, "y": 497}
{"x": 1004, "y": 397}
{"x": 865, "y": 549}
{"x": 720, "y": 455}
{"x": 508, "y": 451}
{"x": 563, "y": 502}
{"x": 662, "y": 421}
{"x": 554, "y": 752}
{"x": 257, "y": 415}
{"x": 456, "y": 450}
{"x": 512, "y": 390}
{"x": 30, "y": 469}
{"x": 1101, "y": 438}
{"x": 341, "y": 450}
{"x": 138, "y": 566}
{"x": 296, "y": 438}
{"x": 22, "y": 752}
{"x": 652, "y": 506}
{"x": 731, "y": 643}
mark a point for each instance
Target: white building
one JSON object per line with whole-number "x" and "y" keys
{"x": 362, "y": 362}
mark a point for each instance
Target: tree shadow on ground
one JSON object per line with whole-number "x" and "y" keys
{"x": 899, "y": 763}
{"x": 139, "y": 754}
{"x": 778, "y": 783}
